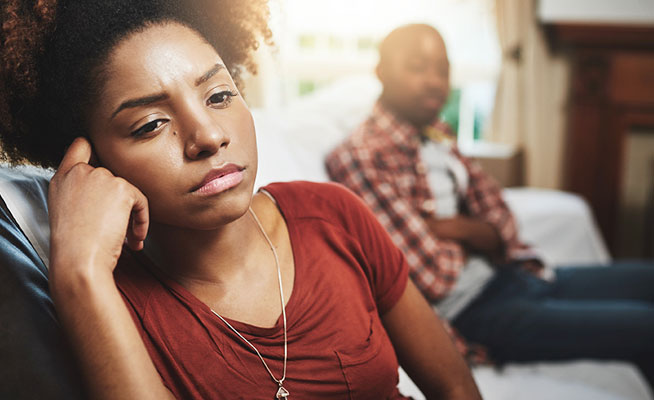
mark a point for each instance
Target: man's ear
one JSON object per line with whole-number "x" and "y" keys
{"x": 380, "y": 72}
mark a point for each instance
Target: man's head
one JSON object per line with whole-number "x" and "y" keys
{"x": 414, "y": 70}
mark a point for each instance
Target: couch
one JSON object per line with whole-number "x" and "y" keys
{"x": 293, "y": 141}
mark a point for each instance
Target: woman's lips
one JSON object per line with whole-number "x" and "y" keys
{"x": 219, "y": 180}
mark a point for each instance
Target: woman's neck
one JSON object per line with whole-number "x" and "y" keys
{"x": 207, "y": 257}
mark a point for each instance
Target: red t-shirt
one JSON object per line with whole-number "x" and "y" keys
{"x": 347, "y": 274}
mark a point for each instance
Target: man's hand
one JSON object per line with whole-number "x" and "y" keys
{"x": 471, "y": 232}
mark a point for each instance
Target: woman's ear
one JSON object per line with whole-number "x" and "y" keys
{"x": 94, "y": 161}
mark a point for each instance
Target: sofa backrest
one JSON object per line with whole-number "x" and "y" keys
{"x": 293, "y": 140}
{"x": 24, "y": 190}
{"x": 35, "y": 360}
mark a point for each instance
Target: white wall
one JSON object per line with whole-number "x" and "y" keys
{"x": 597, "y": 11}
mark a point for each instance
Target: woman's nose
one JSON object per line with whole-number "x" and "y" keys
{"x": 204, "y": 139}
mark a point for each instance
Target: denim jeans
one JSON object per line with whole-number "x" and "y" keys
{"x": 602, "y": 313}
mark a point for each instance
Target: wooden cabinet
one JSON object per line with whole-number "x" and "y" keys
{"x": 612, "y": 92}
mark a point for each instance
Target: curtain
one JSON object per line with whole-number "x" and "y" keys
{"x": 530, "y": 103}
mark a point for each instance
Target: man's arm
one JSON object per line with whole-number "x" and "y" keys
{"x": 475, "y": 233}
{"x": 434, "y": 263}
{"x": 484, "y": 202}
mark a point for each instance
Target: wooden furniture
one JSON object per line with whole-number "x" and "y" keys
{"x": 612, "y": 92}
{"x": 503, "y": 162}
{"x": 648, "y": 237}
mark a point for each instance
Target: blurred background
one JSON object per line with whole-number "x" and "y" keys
{"x": 319, "y": 42}
{"x": 555, "y": 94}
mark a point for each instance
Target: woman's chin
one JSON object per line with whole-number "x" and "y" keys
{"x": 210, "y": 215}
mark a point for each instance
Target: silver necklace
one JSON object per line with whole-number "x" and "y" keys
{"x": 282, "y": 393}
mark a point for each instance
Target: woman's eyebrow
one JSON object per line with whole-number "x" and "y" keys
{"x": 146, "y": 100}
{"x": 139, "y": 102}
{"x": 207, "y": 75}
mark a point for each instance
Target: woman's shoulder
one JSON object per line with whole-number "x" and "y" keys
{"x": 311, "y": 194}
{"x": 134, "y": 280}
{"x": 328, "y": 201}
{"x": 324, "y": 190}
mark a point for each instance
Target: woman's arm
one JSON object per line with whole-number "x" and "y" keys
{"x": 110, "y": 350}
{"x": 425, "y": 350}
{"x": 91, "y": 211}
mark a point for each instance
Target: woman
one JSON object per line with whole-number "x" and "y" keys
{"x": 293, "y": 292}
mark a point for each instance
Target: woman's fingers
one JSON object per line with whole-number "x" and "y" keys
{"x": 80, "y": 151}
{"x": 139, "y": 221}
{"x": 95, "y": 205}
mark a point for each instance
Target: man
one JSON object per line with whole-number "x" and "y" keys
{"x": 460, "y": 238}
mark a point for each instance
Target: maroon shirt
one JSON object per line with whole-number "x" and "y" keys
{"x": 347, "y": 274}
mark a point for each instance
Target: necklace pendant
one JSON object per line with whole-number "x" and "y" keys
{"x": 282, "y": 393}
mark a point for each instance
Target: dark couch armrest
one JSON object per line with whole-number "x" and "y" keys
{"x": 35, "y": 359}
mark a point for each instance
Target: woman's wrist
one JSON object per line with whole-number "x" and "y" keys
{"x": 78, "y": 280}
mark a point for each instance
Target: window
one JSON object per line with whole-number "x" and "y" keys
{"x": 321, "y": 41}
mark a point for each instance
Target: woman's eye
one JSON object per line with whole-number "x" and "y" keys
{"x": 221, "y": 99}
{"x": 149, "y": 127}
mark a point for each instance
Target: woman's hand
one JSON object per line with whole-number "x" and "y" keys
{"x": 92, "y": 212}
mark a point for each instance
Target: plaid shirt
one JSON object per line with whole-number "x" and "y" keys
{"x": 381, "y": 162}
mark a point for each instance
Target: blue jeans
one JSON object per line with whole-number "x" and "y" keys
{"x": 602, "y": 313}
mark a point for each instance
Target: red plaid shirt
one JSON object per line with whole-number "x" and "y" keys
{"x": 381, "y": 162}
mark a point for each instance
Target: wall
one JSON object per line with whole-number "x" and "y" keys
{"x": 597, "y": 11}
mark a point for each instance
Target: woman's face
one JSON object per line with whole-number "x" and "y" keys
{"x": 171, "y": 122}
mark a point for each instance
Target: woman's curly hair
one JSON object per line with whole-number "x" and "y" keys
{"x": 53, "y": 52}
